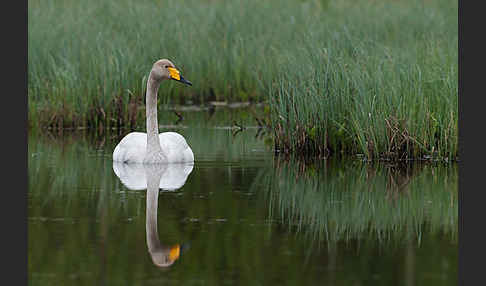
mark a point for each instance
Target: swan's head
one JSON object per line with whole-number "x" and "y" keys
{"x": 165, "y": 69}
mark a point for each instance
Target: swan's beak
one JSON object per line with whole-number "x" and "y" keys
{"x": 176, "y": 75}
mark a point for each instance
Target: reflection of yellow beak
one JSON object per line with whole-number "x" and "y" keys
{"x": 174, "y": 73}
{"x": 174, "y": 251}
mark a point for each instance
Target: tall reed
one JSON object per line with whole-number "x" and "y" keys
{"x": 88, "y": 62}
{"x": 380, "y": 80}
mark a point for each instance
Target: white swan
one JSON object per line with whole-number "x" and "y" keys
{"x": 152, "y": 147}
{"x": 154, "y": 177}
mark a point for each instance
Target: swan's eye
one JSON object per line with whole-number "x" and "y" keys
{"x": 166, "y": 66}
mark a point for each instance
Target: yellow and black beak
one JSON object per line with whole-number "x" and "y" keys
{"x": 176, "y": 75}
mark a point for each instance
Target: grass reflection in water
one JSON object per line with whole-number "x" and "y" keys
{"x": 336, "y": 200}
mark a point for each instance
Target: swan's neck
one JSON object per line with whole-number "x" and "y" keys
{"x": 153, "y": 143}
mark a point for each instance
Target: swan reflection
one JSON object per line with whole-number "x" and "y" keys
{"x": 168, "y": 177}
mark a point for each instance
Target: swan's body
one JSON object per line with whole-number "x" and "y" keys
{"x": 133, "y": 148}
{"x": 152, "y": 147}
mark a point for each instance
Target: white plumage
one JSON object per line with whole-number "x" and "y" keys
{"x": 133, "y": 148}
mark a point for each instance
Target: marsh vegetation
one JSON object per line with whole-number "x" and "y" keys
{"x": 376, "y": 78}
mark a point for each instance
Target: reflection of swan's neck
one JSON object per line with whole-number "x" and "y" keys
{"x": 153, "y": 143}
{"x": 153, "y": 241}
{"x": 153, "y": 181}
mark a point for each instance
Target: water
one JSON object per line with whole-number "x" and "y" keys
{"x": 239, "y": 216}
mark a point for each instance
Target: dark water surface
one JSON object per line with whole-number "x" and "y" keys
{"x": 239, "y": 216}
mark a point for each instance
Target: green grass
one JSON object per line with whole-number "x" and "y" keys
{"x": 88, "y": 62}
{"x": 377, "y": 78}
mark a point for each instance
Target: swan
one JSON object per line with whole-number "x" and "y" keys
{"x": 152, "y": 147}
{"x": 168, "y": 177}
